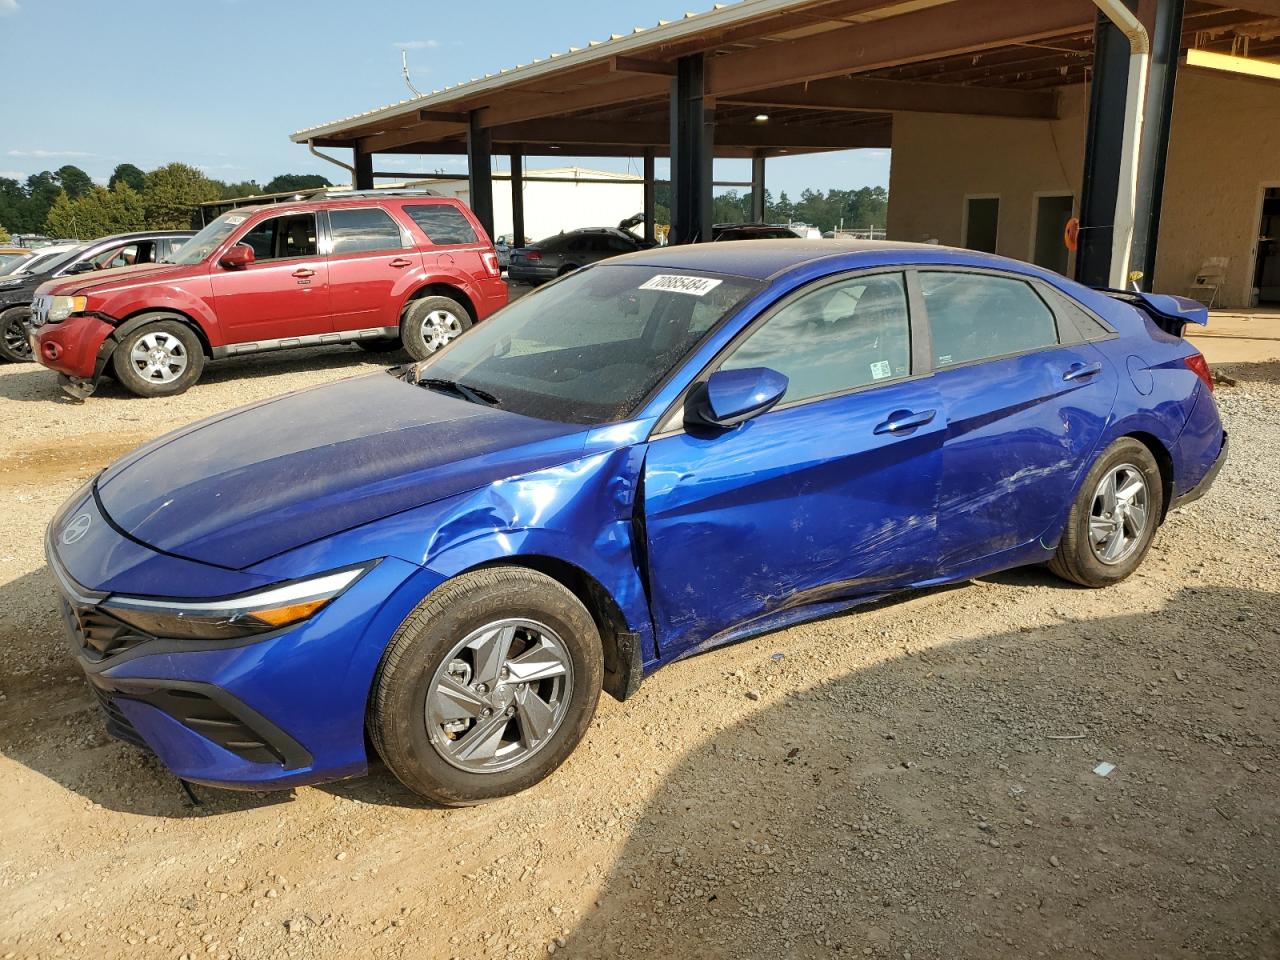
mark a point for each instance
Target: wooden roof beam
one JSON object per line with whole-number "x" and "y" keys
{"x": 892, "y": 96}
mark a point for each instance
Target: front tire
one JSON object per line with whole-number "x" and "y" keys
{"x": 431, "y": 323}
{"x": 159, "y": 359}
{"x": 486, "y": 687}
{"x": 1114, "y": 517}
{"x": 14, "y": 345}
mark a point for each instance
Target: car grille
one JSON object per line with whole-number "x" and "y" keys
{"x": 97, "y": 634}
{"x": 118, "y": 724}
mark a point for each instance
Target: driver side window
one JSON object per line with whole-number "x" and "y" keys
{"x": 837, "y": 338}
{"x": 279, "y": 238}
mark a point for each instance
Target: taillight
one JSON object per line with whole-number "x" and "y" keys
{"x": 532, "y": 255}
{"x": 491, "y": 264}
{"x": 1198, "y": 365}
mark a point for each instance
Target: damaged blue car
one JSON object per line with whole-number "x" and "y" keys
{"x": 446, "y": 563}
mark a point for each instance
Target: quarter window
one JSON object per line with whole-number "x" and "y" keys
{"x": 840, "y": 337}
{"x": 363, "y": 230}
{"x": 974, "y": 316}
{"x": 278, "y": 238}
{"x": 442, "y": 224}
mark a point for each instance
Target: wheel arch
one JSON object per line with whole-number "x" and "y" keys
{"x": 153, "y": 314}
{"x": 440, "y": 288}
{"x": 1164, "y": 460}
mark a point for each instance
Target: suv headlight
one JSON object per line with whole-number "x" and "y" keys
{"x": 230, "y": 618}
{"x": 62, "y": 307}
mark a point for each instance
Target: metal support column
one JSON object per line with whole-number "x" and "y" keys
{"x": 650, "y": 197}
{"x": 1103, "y": 143}
{"x": 362, "y": 177}
{"x": 517, "y": 198}
{"x": 1166, "y": 39}
{"x": 757, "y": 188}
{"x": 480, "y": 172}
{"x": 692, "y": 150}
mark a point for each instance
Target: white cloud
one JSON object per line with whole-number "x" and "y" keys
{"x": 12, "y": 175}
{"x": 405, "y": 44}
{"x": 8, "y": 6}
{"x": 47, "y": 154}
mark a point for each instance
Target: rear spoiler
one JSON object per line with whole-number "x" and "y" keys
{"x": 1171, "y": 314}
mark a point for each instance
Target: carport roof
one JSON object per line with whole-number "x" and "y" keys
{"x": 828, "y": 73}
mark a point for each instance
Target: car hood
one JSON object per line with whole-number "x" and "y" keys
{"x": 237, "y": 489}
{"x": 118, "y": 278}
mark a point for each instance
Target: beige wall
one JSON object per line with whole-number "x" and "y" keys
{"x": 1225, "y": 146}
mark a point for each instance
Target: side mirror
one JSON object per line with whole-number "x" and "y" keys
{"x": 731, "y": 397}
{"x": 237, "y": 258}
{"x": 83, "y": 266}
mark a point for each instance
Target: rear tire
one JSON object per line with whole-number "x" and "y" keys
{"x": 14, "y": 345}
{"x": 452, "y": 660}
{"x": 1114, "y": 517}
{"x": 431, "y": 323}
{"x": 159, "y": 359}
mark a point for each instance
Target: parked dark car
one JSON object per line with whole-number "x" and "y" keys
{"x": 446, "y": 562}
{"x": 751, "y": 231}
{"x": 384, "y": 270}
{"x": 566, "y": 252}
{"x": 18, "y": 292}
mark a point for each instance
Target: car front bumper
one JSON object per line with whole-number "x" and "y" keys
{"x": 71, "y": 347}
{"x": 274, "y": 711}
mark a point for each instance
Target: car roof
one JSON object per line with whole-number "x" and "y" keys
{"x": 764, "y": 259}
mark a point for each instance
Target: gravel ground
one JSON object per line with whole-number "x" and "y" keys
{"x": 912, "y": 780}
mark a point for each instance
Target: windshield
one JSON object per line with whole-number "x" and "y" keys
{"x": 46, "y": 263}
{"x": 12, "y": 262}
{"x": 591, "y": 347}
{"x": 208, "y": 239}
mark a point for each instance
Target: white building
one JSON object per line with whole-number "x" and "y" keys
{"x": 555, "y": 200}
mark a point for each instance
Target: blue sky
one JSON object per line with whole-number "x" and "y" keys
{"x": 222, "y": 83}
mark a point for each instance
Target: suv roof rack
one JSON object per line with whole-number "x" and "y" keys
{"x": 387, "y": 192}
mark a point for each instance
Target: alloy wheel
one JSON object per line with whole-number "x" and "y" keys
{"x": 1119, "y": 515}
{"x": 159, "y": 357}
{"x": 15, "y": 338}
{"x": 438, "y": 328}
{"x": 499, "y": 696}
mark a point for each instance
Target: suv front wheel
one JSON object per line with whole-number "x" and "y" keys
{"x": 430, "y": 323}
{"x": 159, "y": 359}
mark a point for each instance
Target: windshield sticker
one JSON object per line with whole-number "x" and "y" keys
{"x": 675, "y": 283}
{"x": 236, "y": 219}
{"x": 881, "y": 369}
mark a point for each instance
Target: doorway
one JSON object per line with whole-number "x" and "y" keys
{"x": 1266, "y": 271}
{"x": 1049, "y": 219}
{"x": 981, "y": 222}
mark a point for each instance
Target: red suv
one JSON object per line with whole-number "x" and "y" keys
{"x": 378, "y": 269}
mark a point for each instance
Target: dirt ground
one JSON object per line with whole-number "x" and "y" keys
{"x": 913, "y": 780}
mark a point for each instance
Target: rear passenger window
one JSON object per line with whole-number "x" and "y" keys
{"x": 441, "y": 223}
{"x": 363, "y": 230}
{"x": 839, "y": 337}
{"x": 1086, "y": 325}
{"x": 278, "y": 238}
{"x": 974, "y": 316}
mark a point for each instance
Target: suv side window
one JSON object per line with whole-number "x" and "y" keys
{"x": 975, "y": 316}
{"x": 363, "y": 230}
{"x": 839, "y": 337}
{"x": 279, "y": 238}
{"x": 443, "y": 224}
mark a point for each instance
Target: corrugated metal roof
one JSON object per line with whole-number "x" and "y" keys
{"x": 721, "y": 16}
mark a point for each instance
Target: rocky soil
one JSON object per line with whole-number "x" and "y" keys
{"x": 919, "y": 779}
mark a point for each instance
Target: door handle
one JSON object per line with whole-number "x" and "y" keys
{"x": 303, "y": 272}
{"x": 902, "y": 420}
{"x": 1079, "y": 371}
{"x": 399, "y": 262}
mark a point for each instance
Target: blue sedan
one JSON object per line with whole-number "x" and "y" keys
{"x": 653, "y": 456}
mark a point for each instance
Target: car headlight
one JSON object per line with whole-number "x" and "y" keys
{"x": 62, "y": 307}
{"x": 261, "y": 611}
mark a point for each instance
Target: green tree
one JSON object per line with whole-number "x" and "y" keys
{"x": 61, "y": 221}
{"x": 172, "y": 194}
{"x": 4, "y": 234}
{"x": 74, "y": 180}
{"x": 129, "y": 174}
{"x": 246, "y": 188}
{"x": 290, "y": 182}
{"x": 98, "y": 213}
{"x": 41, "y": 190}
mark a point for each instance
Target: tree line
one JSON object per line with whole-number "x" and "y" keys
{"x": 66, "y": 203}
{"x": 861, "y": 207}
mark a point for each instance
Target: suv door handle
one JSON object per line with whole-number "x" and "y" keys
{"x": 1079, "y": 371}
{"x": 399, "y": 262}
{"x": 303, "y": 272}
{"x": 902, "y": 420}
